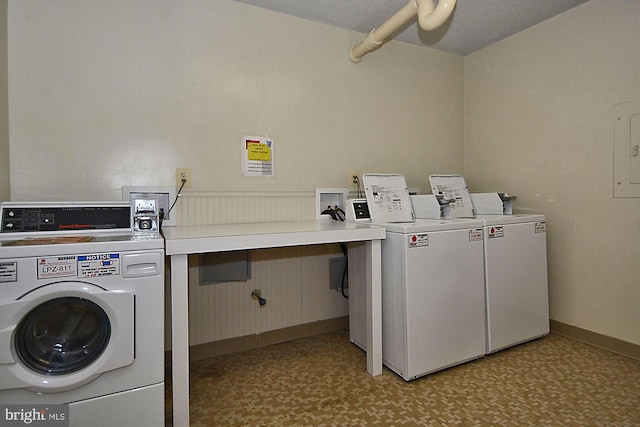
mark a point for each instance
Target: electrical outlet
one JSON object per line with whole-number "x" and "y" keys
{"x": 354, "y": 178}
{"x": 183, "y": 173}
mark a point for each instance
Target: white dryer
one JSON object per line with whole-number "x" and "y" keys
{"x": 81, "y": 313}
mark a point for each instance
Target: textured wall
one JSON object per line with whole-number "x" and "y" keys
{"x": 539, "y": 123}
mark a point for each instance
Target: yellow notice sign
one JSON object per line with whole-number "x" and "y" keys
{"x": 259, "y": 152}
{"x": 257, "y": 156}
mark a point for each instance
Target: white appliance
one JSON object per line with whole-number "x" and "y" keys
{"x": 433, "y": 310}
{"x": 515, "y": 264}
{"x": 81, "y": 312}
{"x": 515, "y": 273}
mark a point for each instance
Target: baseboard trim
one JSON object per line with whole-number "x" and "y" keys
{"x": 604, "y": 342}
{"x": 304, "y": 330}
{"x": 247, "y": 342}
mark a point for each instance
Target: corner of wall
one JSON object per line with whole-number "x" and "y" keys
{"x": 5, "y": 188}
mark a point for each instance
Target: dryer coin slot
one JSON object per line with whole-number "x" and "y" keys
{"x": 145, "y": 217}
{"x": 145, "y": 206}
{"x": 144, "y": 223}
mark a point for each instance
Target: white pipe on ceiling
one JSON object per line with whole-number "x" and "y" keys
{"x": 430, "y": 17}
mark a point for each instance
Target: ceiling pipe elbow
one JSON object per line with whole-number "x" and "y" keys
{"x": 431, "y": 16}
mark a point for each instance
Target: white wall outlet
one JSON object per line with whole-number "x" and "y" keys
{"x": 183, "y": 173}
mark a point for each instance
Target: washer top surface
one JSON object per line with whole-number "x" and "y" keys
{"x": 24, "y": 246}
{"x": 510, "y": 219}
{"x": 430, "y": 225}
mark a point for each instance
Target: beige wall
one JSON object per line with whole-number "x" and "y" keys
{"x": 107, "y": 94}
{"x": 539, "y": 123}
{"x": 4, "y": 105}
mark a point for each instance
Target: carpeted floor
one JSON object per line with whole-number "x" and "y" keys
{"x": 322, "y": 381}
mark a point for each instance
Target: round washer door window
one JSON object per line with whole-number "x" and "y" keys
{"x": 62, "y": 335}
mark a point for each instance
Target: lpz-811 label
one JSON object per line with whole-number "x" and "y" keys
{"x": 98, "y": 265}
{"x": 541, "y": 227}
{"x": 57, "y": 266}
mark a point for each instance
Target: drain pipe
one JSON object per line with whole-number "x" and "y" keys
{"x": 379, "y": 35}
{"x": 430, "y": 17}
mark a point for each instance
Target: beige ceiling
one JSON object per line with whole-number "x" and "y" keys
{"x": 474, "y": 24}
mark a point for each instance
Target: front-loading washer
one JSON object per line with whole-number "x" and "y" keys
{"x": 81, "y": 313}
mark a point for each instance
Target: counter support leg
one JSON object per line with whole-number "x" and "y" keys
{"x": 374, "y": 307}
{"x": 180, "y": 339}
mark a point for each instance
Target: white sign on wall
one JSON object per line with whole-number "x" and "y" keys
{"x": 257, "y": 156}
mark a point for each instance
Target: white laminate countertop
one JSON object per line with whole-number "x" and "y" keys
{"x": 228, "y": 237}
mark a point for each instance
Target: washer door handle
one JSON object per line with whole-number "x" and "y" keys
{"x": 142, "y": 265}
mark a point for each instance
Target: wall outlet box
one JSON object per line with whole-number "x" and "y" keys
{"x": 330, "y": 197}
{"x": 183, "y": 173}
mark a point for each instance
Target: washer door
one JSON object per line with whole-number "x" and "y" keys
{"x": 63, "y": 335}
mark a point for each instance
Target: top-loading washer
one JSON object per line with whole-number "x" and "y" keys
{"x": 81, "y": 312}
{"x": 432, "y": 296}
{"x": 433, "y": 309}
{"x": 515, "y": 272}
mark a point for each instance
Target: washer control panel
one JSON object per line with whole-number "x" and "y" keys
{"x": 30, "y": 217}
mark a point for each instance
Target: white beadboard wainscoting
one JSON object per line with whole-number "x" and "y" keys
{"x": 203, "y": 207}
{"x": 293, "y": 280}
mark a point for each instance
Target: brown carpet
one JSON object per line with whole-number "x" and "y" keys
{"x": 322, "y": 381}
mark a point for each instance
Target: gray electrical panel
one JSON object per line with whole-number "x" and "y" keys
{"x": 220, "y": 267}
